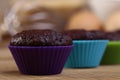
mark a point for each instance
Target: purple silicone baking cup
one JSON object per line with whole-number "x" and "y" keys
{"x": 42, "y": 60}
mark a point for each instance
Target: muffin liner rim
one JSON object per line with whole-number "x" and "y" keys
{"x": 39, "y": 46}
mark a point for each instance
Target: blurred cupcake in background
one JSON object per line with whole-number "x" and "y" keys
{"x": 109, "y": 12}
{"x": 84, "y": 20}
{"x": 41, "y": 14}
{"x": 112, "y": 53}
{"x": 112, "y": 22}
{"x": 112, "y": 28}
{"x": 89, "y": 47}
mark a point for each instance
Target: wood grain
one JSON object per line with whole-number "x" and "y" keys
{"x": 9, "y": 71}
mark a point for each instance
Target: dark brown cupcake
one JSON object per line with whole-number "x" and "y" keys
{"x": 40, "y": 38}
{"x": 113, "y": 36}
{"x": 76, "y": 34}
{"x": 95, "y": 35}
{"x": 40, "y": 52}
{"x": 86, "y": 35}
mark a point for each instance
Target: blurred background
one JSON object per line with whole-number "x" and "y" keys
{"x": 18, "y": 15}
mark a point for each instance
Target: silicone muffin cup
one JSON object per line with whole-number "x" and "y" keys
{"x": 86, "y": 53}
{"x": 40, "y": 60}
{"x": 112, "y": 53}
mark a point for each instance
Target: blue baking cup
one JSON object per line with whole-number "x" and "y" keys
{"x": 86, "y": 53}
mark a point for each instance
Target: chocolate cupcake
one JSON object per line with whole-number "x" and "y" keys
{"x": 85, "y": 35}
{"x": 40, "y": 38}
{"x": 89, "y": 47}
{"x": 76, "y": 34}
{"x": 40, "y": 52}
{"x": 113, "y": 36}
{"x": 95, "y": 35}
{"x": 112, "y": 53}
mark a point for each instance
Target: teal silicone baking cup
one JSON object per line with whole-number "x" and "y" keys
{"x": 112, "y": 54}
{"x": 86, "y": 53}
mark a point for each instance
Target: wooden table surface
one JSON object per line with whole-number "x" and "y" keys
{"x": 9, "y": 71}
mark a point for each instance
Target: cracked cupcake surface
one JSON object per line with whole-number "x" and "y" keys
{"x": 40, "y": 38}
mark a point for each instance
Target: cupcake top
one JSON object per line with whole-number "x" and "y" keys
{"x": 96, "y": 35}
{"x": 76, "y": 34}
{"x": 113, "y": 36}
{"x": 40, "y": 38}
{"x": 86, "y": 35}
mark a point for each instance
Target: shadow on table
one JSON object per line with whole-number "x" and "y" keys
{"x": 17, "y": 73}
{"x": 11, "y": 73}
